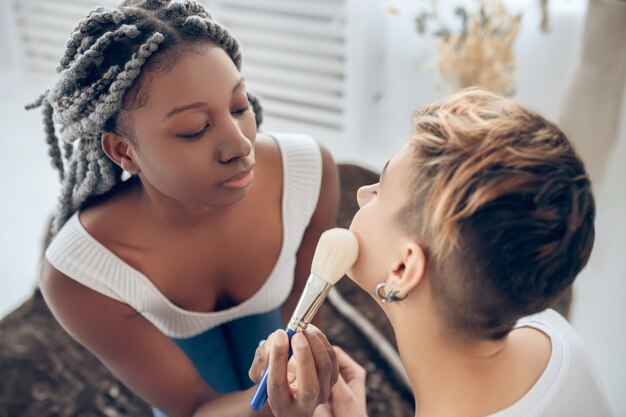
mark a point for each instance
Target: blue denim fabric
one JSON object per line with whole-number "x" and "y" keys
{"x": 223, "y": 355}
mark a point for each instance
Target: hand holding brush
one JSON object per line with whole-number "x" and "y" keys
{"x": 336, "y": 252}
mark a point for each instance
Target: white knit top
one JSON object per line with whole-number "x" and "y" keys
{"x": 77, "y": 254}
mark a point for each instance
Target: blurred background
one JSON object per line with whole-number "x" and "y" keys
{"x": 350, "y": 72}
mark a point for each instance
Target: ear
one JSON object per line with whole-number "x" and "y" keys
{"x": 121, "y": 151}
{"x": 405, "y": 275}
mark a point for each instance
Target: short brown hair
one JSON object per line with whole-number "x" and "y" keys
{"x": 503, "y": 206}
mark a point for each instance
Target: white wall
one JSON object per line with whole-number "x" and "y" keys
{"x": 4, "y": 47}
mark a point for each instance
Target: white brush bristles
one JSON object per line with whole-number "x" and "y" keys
{"x": 337, "y": 250}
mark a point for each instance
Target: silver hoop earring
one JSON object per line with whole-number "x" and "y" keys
{"x": 386, "y": 297}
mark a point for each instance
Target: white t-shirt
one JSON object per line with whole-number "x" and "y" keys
{"x": 569, "y": 386}
{"x": 81, "y": 257}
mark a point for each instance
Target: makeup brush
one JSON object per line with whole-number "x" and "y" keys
{"x": 336, "y": 252}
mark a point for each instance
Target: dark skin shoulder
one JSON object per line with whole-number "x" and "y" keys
{"x": 198, "y": 269}
{"x": 126, "y": 343}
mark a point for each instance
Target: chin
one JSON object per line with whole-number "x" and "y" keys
{"x": 223, "y": 197}
{"x": 223, "y": 202}
{"x": 229, "y": 202}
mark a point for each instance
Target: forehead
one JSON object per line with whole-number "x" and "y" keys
{"x": 395, "y": 179}
{"x": 203, "y": 73}
{"x": 400, "y": 165}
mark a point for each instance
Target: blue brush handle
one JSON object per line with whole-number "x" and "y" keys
{"x": 260, "y": 394}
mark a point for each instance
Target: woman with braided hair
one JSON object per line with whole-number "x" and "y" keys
{"x": 181, "y": 234}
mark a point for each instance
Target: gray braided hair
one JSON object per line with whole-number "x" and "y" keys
{"x": 103, "y": 60}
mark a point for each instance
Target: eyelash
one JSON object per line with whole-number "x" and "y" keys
{"x": 195, "y": 135}
{"x": 242, "y": 111}
{"x": 237, "y": 113}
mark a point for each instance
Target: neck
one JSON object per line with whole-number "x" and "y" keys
{"x": 441, "y": 368}
{"x": 171, "y": 212}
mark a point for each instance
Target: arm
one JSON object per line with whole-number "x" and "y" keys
{"x": 135, "y": 351}
{"x": 324, "y": 218}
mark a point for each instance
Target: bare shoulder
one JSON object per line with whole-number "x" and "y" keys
{"x": 128, "y": 345}
{"x": 268, "y": 151}
{"x": 534, "y": 345}
{"x": 79, "y": 309}
{"x": 529, "y": 354}
{"x": 114, "y": 212}
{"x": 67, "y": 298}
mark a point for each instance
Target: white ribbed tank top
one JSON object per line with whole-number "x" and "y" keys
{"x": 77, "y": 254}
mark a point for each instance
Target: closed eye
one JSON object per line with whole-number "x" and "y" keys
{"x": 241, "y": 111}
{"x": 195, "y": 135}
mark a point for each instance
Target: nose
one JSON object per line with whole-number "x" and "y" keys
{"x": 234, "y": 144}
{"x": 364, "y": 195}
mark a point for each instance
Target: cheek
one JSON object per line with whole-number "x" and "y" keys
{"x": 173, "y": 161}
{"x": 181, "y": 170}
{"x": 369, "y": 268}
{"x": 248, "y": 127}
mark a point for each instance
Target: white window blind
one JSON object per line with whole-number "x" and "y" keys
{"x": 43, "y": 28}
{"x": 314, "y": 63}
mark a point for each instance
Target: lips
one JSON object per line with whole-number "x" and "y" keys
{"x": 239, "y": 181}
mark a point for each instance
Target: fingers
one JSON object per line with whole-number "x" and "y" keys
{"x": 348, "y": 400}
{"x": 348, "y": 394}
{"x": 261, "y": 359}
{"x": 325, "y": 362}
{"x": 316, "y": 367}
{"x": 306, "y": 373}
{"x": 341, "y": 392}
{"x": 330, "y": 352}
{"x": 291, "y": 370}
{"x": 277, "y": 384}
{"x": 324, "y": 410}
{"x": 349, "y": 369}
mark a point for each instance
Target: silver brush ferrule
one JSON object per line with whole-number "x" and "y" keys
{"x": 312, "y": 297}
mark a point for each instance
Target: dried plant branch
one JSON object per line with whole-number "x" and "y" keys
{"x": 480, "y": 53}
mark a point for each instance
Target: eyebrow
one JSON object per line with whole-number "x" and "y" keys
{"x": 383, "y": 173}
{"x": 197, "y": 104}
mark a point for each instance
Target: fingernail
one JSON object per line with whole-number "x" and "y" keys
{"x": 299, "y": 340}
{"x": 277, "y": 339}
